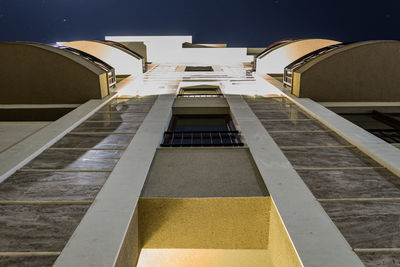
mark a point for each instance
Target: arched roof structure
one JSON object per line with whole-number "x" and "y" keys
{"x": 360, "y": 72}
{"x": 124, "y": 62}
{"x": 276, "y": 59}
{"x": 36, "y": 73}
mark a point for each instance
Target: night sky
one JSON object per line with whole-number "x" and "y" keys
{"x": 238, "y": 23}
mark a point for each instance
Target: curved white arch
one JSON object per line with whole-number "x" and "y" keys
{"x": 278, "y": 59}
{"x": 122, "y": 62}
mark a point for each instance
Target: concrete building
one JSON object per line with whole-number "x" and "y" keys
{"x": 200, "y": 159}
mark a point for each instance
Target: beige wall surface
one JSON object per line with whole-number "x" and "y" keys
{"x": 39, "y": 74}
{"x": 278, "y": 59}
{"x": 189, "y": 172}
{"x": 365, "y": 71}
{"x": 13, "y": 132}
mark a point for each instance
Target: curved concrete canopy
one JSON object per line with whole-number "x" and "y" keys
{"x": 121, "y": 47}
{"x": 357, "y": 72}
{"x": 124, "y": 63}
{"x": 275, "y": 61}
{"x": 33, "y": 73}
{"x": 274, "y": 46}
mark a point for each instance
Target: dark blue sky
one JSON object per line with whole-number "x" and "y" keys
{"x": 238, "y": 23}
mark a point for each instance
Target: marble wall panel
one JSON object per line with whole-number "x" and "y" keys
{"x": 124, "y": 107}
{"x": 380, "y": 259}
{"x": 307, "y": 139}
{"x": 367, "y": 224}
{"x": 328, "y": 158}
{"x": 52, "y": 186}
{"x": 368, "y": 183}
{"x": 116, "y": 127}
{"x": 30, "y": 261}
{"x": 293, "y": 114}
{"x": 75, "y": 159}
{"x": 38, "y": 228}
{"x": 106, "y": 116}
{"x": 293, "y": 125}
{"x": 95, "y": 141}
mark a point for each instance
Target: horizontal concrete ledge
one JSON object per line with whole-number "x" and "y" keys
{"x": 384, "y": 153}
{"x": 17, "y": 156}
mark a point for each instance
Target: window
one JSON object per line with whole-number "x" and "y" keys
{"x": 199, "y": 68}
{"x": 383, "y": 125}
{"x": 200, "y": 91}
{"x": 201, "y": 130}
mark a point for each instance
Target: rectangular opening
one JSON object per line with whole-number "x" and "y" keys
{"x": 200, "y": 91}
{"x": 199, "y": 68}
{"x": 201, "y": 130}
{"x": 33, "y": 114}
{"x": 383, "y": 125}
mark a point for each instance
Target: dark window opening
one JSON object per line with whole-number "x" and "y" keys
{"x": 383, "y": 125}
{"x": 199, "y": 68}
{"x": 200, "y": 92}
{"x": 33, "y": 114}
{"x": 201, "y": 130}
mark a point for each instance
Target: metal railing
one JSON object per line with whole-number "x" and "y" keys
{"x": 201, "y": 139}
{"x": 388, "y": 135}
{"x": 295, "y": 65}
{"x": 200, "y": 95}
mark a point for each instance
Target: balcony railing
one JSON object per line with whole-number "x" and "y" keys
{"x": 201, "y": 139}
{"x": 388, "y": 135}
{"x": 200, "y": 95}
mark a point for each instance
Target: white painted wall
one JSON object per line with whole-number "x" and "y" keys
{"x": 168, "y": 49}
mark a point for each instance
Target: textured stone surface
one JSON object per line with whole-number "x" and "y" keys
{"x": 380, "y": 259}
{"x": 136, "y": 100}
{"x": 108, "y": 127}
{"x": 127, "y": 107}
{"x": 203, "y": 173}
{"x": 107, "y": 116}
{"x": 52, "y": 186}
{"x": 369, "y": 183}
{"x": 223, "y": 223}
{"x": 38, "y": 228}
{"x": 75, "y": 159}
{"x": 253, "y": 101}
{"x": 367, "y": 224}
{"x": 94, "y": 141}
{"x": 327, "y": 157}
{"x": 292, "y": 114}
{"x": 293, "y": 125}
{"x": 28, "y": 261}
{"x": 307, "y": 139}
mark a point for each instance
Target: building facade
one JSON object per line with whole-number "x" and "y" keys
{"x": 200, "y": 159}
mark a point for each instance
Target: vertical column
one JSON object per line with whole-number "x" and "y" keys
{"x": 99, "y": 238}
{"x": 316, "y": 239}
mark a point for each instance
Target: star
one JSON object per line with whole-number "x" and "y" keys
{"x": 64, "y": 20}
